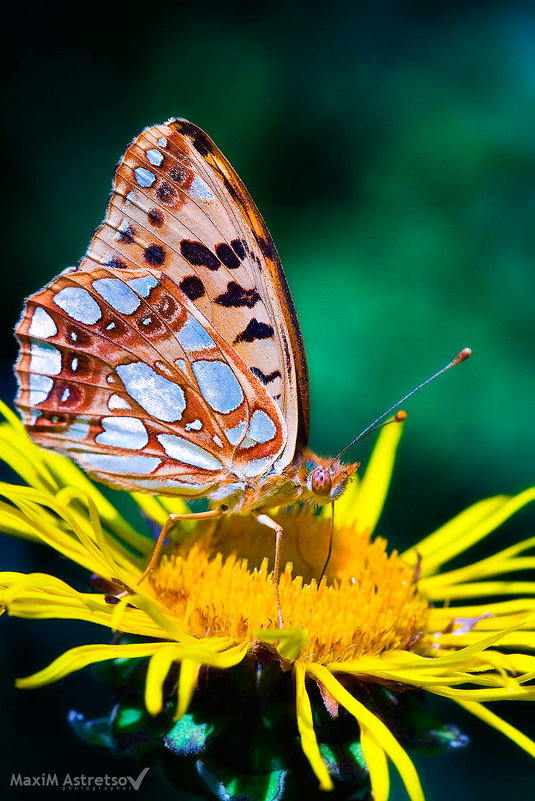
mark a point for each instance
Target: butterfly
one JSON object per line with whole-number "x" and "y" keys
{"x": 170, "y": 359}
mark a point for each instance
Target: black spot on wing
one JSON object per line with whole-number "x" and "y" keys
{"x": 193, "y": 287}
{"x": 116, "y": 264}
{"x": 236, "y": 295}
{"x": 155, "y": 255}
{"x": 227, "y": 256}
{"x": 263, "y": 378}
{"x": 238, "y": 246}
{"x": 166, "y": 193}
{"x": 156, "y": 218}
{"x": 254, "y": 330}
{"x": 198, "y": 254}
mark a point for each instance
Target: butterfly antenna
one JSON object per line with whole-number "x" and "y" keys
{"x": 400, "y": 416}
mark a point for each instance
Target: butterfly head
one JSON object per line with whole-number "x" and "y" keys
{"x": 326, "y": 480}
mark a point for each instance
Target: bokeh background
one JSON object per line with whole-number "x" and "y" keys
{"x": 390, "y": 147}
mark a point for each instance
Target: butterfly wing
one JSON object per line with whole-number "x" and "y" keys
{"x": 125, "y": 375}
{"x": 183, "y": 254}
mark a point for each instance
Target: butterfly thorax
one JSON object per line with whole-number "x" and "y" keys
{"x": 308, "y": 479}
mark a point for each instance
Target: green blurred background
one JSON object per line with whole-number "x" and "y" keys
{"x": 391, "y": 149}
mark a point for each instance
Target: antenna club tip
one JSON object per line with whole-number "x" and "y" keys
{"x": 462, "y": 356}
{"x": 400, "y": 416}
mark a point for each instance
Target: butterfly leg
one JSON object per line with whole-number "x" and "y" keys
{"x": 267, "y": 521}
{"x": 163, "y": 533}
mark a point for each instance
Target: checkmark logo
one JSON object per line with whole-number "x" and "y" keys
{"x": 136, "y": 783}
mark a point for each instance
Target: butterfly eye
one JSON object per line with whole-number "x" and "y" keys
{"x": 319, "y": 481}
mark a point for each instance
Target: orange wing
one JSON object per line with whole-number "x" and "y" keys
{"x": 171, "y": 358}
{"x": 178, "y": 206}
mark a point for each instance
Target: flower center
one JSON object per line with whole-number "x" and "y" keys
{"x": 368, "y": 605}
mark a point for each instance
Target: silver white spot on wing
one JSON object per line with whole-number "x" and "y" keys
{"x": 172, "y": 485}
{"x": 78, "y": 304}
{"x": 74, "y": 364}
{"x": 257, "y": 466}
{"x": 195, "y": 425}
{"x": 144, "y": 177}
{"x": 162, "y": 141}
{"x": 110, "y": 463}
{"x": 188, "y": 453}
{"x": 45, "y": 359}
{"x": 78, "y": 431}
{"x": 261, "y": 428}
{"x": 42, "y": 324}
{"x": 234, "y": 435}
{"x": 65, "y": 395}
{"x": 123, "y": 432}
{"x": 218, "y": 385}
{"x": 159, "y": 397}
{"x": 117, "y": 402}
{"x": 131, "y": 196}
{"x": 181, "y": 364}
{"x": 192, "y": 336}
{"x": 218, "y": 441}
{"x": 118, "y": 294}
{"x": 154, "y": 156}
{"x": 40, "y": 386}
{"x": 199, "y": 190}
{"x": 143, "y": 285}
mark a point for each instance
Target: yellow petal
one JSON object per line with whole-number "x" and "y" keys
{"x": 20, "y": 453}
{"x": 48, "y": 471}
{"x": 496, "y": 722}
{"x": 176, "y": 506}
{"x": 291, "y": 641}
{"x": 377, "y": 729}
{"x": 492, "y": 566}
{"x": 83, "y": 655}
{"x": 497, "y": 609}
{"x": 487, "y": 695}
{"x": 305, "y": 725}
{"x": 363, "y": 502}
{"x": 157, "y": 671}
{"x": 69, "y": 475}
{"x": 167, "y": 625}
{"x": 377, "y": 764}
{"x": 187, "y": 681}
{"x": 465, "y": 530}
{"x": 474, "y": 589}
{"x": 11, "y": 418}
{"x": 151, "y": 506}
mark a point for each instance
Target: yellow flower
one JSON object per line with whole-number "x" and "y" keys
{"x": 379, "y": 617}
